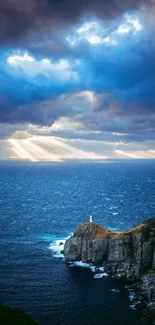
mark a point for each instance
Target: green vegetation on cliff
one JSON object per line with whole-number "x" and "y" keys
{"x": 9, "y": 316}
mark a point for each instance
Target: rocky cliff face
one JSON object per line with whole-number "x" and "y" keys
{"x": 88, "y": 244}
{"x": 129, "y": 254}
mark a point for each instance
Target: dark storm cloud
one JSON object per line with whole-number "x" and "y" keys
{"x": 23, "y": 19}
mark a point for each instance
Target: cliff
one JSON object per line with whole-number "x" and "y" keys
{"x": 129, "y": 254}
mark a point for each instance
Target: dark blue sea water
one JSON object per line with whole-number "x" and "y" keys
{"x": 40, "y": 204}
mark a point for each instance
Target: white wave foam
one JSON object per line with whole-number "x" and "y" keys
{"x": 115, "y": 290}
{"x": 115, "y": 213}
{"x": 100, "y": 275}
{"x": 98, "y": 270}
{"x": 113, "y": 207}
{"x": 80, "y": 264}
{"x": 132, "y": 296}
{"x": 133, "y": 306}
{"x": 92, "y": 268}
{"x": 101, "y": 268}
{"x": 57, "y": 246}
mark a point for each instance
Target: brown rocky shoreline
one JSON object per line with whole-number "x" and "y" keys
{"x": 126, "y": 254}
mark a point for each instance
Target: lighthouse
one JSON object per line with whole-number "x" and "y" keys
{"x": 91, "y": 219}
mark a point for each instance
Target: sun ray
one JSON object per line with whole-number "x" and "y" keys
{"x": 40, "y": 153}
{"x": 20, "y": 151}
{"x": 39, "y": 148}
{"x": 68, "y": 151}
{"x": 138, "y": 154}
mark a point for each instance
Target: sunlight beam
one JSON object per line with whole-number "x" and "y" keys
{"x": 39, "y": 148}
{"x": 20, "y": 151}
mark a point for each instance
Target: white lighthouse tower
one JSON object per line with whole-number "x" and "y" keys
{"x": 91, "y": 219}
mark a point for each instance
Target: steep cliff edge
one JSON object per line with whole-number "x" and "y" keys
{"x": 129, "y": 254}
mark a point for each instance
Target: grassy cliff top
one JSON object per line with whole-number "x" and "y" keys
{"x": 147, "y": 228}
{"x": 147, "y": 224}
{"x": 93, "y": 230}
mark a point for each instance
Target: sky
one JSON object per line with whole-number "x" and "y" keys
{"x": 77, "y": 79}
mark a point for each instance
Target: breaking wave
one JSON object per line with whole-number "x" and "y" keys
{"x": 99, "y": 271}
{"x": 57, "y": 247}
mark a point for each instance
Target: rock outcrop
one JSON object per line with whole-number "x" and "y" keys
{"x": 129, "y": 254}
{"x": 89, "y": 244}
{"x": 9, "y": 316}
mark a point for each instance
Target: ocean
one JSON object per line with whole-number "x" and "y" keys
{"x": 40, "y": 206}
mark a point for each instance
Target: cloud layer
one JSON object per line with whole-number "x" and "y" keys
{"x": 78, "y": 70}
{"x": 21, "y": 20}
